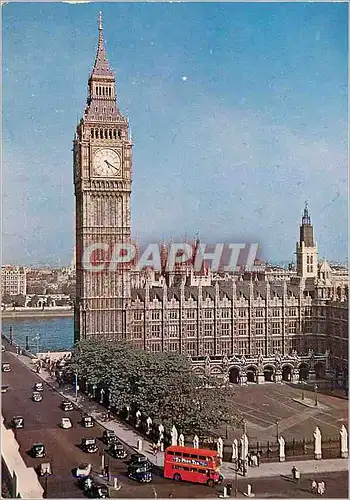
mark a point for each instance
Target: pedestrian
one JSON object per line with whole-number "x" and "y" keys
{"x": 258, "y": 459}
{"x": 313, "y": 487}
{"x": 229, "y": 488}
{"x": 170, "y": 495}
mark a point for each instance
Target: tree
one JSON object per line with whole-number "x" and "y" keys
{"x": 161, "y": 385}
{"x": 19, "y": 300}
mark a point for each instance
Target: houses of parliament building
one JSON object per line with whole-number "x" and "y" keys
{"x": 261, "y": 325}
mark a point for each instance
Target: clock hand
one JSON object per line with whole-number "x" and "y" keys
{"x": 110, "y": 165}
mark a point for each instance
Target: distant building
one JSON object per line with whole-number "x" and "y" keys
{"x": 13, "y": 280}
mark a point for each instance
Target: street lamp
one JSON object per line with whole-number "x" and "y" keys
{"x": 316, "y": 387}
{"x": 277, "y": 429}
{"x": 302, "y": 389}
{"x": 76, "y": 387}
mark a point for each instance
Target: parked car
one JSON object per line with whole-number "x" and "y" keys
{"x": 109, "y": 437}
{"x": 89, "y": 445}
{"x": 140, "y": 472}
{"x": 2, "y": 348}
{"x": 85, "y": 483}
{"x": 38, "y": 386}
{"x": 139, "y": 459}
{"x": 83, "y": 470}
{"x": 87, "y": 421}
{"x": 6, "y": 367}
{"x": 37, "y": 397}
{"x": 45, "y": 469}
{"x": 67, "y": 405}
{"x": 117, "y": 450}
{"x": 98, "y": 491}
{"x": 38, "y": 450}
{"x": 66, "y": 423}
{"x": 4, "y": 388}
{"x": 18, "y": 422}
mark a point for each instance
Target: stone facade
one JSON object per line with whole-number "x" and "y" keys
{"x": 102, "y": 178}
{"x": 266, "y": 326}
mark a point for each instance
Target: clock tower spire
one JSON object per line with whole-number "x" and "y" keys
{"x": 102, "y": 156}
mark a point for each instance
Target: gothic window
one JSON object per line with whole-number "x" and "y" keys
{"x": 114, "y": 134}
{"x": 275, "y": 312}
{"x": 292, "y": 312}
{"x": 259, "y": 328}
{"x": 191, "y": 314}
{"x": 156, "y": 347}
{"x": 225, "y": 329}
{"x": 173, "y": 347}
{"x": 208, "y": 329}
{"x": 155, "y": 314}
{"x": 226, "y": 347}
{"x": 110, "y": 134}
{"x": 208, "y": 313}
{"x": 155, "y": 331}
{"x": 119, "y": 134}
{"x": 191, "y": 330}
{"x": 259, "y": 313}
{"x": 311, "y": 269}
{"x": 173, "y": 331}
{"x": 137, "y": 315}
{"x": 92, "y": 133}
{"x": 208, "y": 348}
{"x": 192, "y": 348}
{"x": 173, "y": 315}
{"x": 292, "y": 327}
{"x": 242, "y": 313}
{"x": 242, "y": 347}
{"x": 112, "y": 110}
{"x": 276, "y": 328}
{"x": 242, "y": 329}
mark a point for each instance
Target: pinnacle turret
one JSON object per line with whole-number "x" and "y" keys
{"x": 101, "y": 66}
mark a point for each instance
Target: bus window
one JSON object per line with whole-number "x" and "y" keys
{"x": 187, "y": 455}
{"x": 194, "y": 456}
{"x": 202, "y": 458}
{"x": 208, "y": 473}
{"x": 170, "y": 453}
{"x": 178, "y": 454}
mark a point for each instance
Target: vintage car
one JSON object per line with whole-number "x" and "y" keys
{"x": 83, "y": 470}
{"x": 138, "y": 459}
{"x": 89, "y": 445}
{"x": 38, "y": 386}
{"x": 117, "y": 450}
{"x": 66, "y": 423}
{"x": 67, "y": 405}
{"x": 109, "y": 437}
{"x": 87, "y": 421}
{"x": 6, "y": 367}
{"x": 140, "y": 472}
{"x": 38, "y": 450}
{"x": 17, "y": 422}
{"x": 45, "y": 469}
{"x": 37, "y": 397}
{"x": 4, "y": 388}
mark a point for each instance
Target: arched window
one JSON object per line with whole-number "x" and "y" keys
{"x": 119, "y": 134}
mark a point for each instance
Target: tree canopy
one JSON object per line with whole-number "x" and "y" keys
{"x": 160, "y": 385}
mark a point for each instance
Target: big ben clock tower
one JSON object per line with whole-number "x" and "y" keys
{"x": 102, "y": 180}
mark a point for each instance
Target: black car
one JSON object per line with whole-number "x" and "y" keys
{"x": 89, "y": 445}
{"x": 67, "y": 405}
{"x": 140, "y": 472}
{"x": 18, "y": 422}
{"x": 6, "y": 367}
{"x": 38, "y": 450}
{"x": 138, "y": 459}
{"x": 117, "y": 450}
{"x": 4, "y": 388}
{"x": 38, "y": 387}
{"x": 87, "y": 422}
{"x": 98, "y": 491}
{"x": 109, "y": 437}
{"x": 37, "y": 397}
{"x": 2, "y": 348}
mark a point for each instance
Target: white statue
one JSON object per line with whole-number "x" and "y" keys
{"x": 220, "y": 447}
{"x": 281, "y": 451}
{"x": 318, "y": 443}
{"x": 174, "y": 436}
{"x": 234, "y": 450}
{"x": 161, "y": 432}
{"x": 344, "y": 450}
{"x": 181, "y": 440}
{"x": 196, "y": 441}
{"x": 149, "y": 425}
{"x": 244, "y": 447}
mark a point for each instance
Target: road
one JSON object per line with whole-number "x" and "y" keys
{"x": 41, "y": 424}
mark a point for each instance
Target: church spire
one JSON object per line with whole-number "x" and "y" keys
{"x": 101, "y": 66}
{"x": 306, "y": 217}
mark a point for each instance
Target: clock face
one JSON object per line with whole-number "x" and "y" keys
{"x": 106, "y": 163}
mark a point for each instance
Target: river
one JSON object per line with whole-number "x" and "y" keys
{"x": 44, "y": 334}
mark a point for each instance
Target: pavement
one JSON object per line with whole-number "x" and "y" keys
{"x": 130, "y": 437}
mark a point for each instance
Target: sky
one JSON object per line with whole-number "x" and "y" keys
{"x": 238, "y": 114}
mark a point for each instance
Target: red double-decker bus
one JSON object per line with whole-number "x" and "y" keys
{"x": 197, "y": 465}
